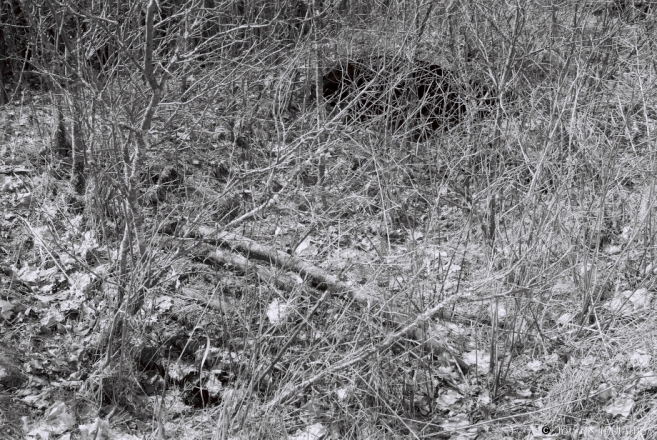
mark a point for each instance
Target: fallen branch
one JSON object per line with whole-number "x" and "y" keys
{"x": 365, "y": 353}
{"x": 408, "y": 327}
{"x": 7, "y": 169}
{"x": 318, "y": 277}
{"x": 216, "y": 257}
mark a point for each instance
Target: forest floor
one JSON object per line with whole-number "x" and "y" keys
{"x": 365, "y": 287}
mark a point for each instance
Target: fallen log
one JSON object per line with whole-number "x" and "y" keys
{"x": 318, "y": 278}
{"x": 416, "y": 328}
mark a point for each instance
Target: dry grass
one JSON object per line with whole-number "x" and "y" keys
{"x": 527, "y": 232}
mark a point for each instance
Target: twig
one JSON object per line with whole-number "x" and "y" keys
{"x": 365, "y": 353}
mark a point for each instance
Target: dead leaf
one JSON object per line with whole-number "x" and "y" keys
{"x": 315, "y": 431}
{"x": 621, "y": 406}
{"x": 6, "y": 309}
{"x": 278, "y": 311}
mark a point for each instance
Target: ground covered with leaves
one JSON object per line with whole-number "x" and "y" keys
{"x": 334, "y": 280}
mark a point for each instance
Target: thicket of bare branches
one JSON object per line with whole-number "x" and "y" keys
{"x": 326, "y": 268}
